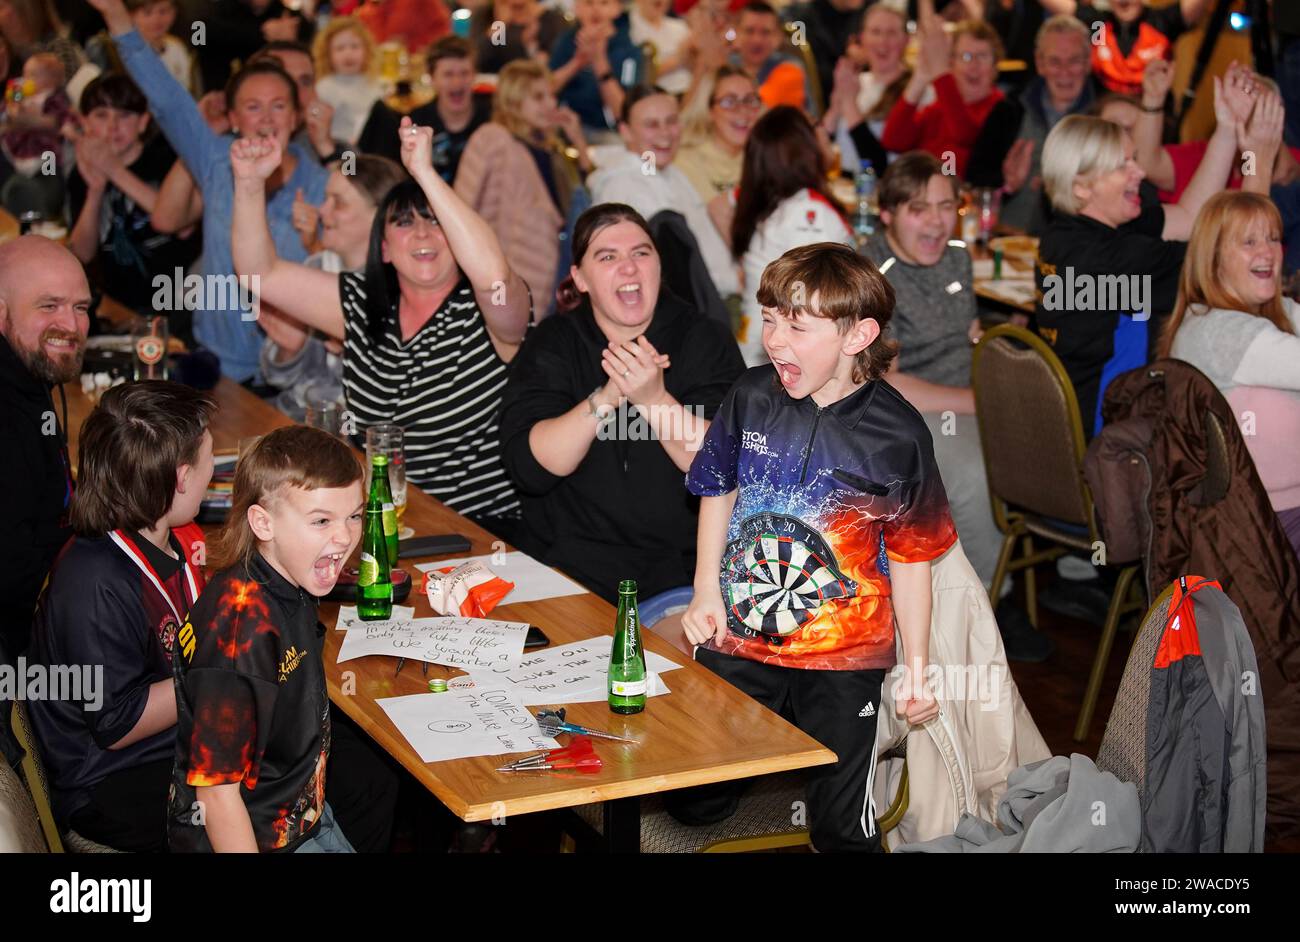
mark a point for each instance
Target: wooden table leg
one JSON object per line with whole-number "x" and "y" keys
{"x": 623, "y": 825}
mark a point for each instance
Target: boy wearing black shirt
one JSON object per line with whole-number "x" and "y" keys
{"x": 253, "y": 723}
{"x": 115, "y": 600}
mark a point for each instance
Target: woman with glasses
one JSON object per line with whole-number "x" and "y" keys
{"x": 963, "y": 69}
{"x": 1063, "y": 87}
{"x": 718, "y": 121}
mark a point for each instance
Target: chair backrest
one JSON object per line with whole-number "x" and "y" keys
{"x": 1124, "y": 744}
{"x": 34, "y": 773}
{"x": 817, "y": 105}
{"x": 649, "y": 63}
{"x": 1218, "y": 467}
{"x": 20, "y": 825}
{"x": 1030, "y": 427}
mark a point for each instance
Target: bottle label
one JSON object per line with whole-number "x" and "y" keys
{"x": 627, "y": 688}
{"x": 369, "y": 570}
{"x": 390, "y": 520}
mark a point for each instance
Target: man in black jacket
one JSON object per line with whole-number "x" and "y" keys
{"x": 44, "y": 299}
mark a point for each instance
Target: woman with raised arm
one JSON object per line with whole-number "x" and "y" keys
{"x": 427, "y": 328}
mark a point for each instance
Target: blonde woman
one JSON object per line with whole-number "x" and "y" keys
{"x": 1232, "y": 323}
{"x": 514, "y": 174}
{"x": 718, "y": 121}
{"x": 1109, "y": 262}
{"x": 344, "y": 53}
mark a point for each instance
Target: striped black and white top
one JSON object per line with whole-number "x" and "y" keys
{"x": 443, "y": 387}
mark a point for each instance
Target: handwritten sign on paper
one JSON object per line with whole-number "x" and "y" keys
{"x": 461, "y": 724}
{"x": 545, "y": 694}
{"x": 566, "y": 673}
{"x": 348, "y": 617}
{"x": 479, "y": 644}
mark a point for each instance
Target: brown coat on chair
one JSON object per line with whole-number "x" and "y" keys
{"x": 1211, "y": 515}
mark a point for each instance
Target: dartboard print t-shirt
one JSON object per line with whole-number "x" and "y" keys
{"x": 827, "y": 498}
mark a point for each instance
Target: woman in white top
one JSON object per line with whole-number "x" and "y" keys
{"x": 782, "y": 203}
{"x": 344, "y": 54}
{"x": 649, "y": 22}
{"x": 1232, "y": 323}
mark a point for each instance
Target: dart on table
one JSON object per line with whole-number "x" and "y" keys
{"x": 552, "y": 723}
{"x": 580, "y": 756}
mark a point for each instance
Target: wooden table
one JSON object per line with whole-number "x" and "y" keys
{"x": 1014, "y": 290}
{"x": 704, "y": 731}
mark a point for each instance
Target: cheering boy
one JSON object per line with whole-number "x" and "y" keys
{"x": 821, "y": 510}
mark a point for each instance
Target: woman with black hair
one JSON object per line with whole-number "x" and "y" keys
{"x": 782, "y": 203}
{"x": 605, "y": 408}
{"x": 427, "y": 328}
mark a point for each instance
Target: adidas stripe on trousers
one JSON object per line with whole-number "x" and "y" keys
{"x": 838, "y": 709}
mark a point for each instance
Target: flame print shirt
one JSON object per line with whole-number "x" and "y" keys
{"x": 827, "y": 497}
{"x": 251, "y": 707}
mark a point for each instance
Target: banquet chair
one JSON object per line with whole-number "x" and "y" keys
{"x": 38, "y": 785}
{"x": 1032, "y": 437}
{"x": 21, "y": 827}
{"x": 1123, "y": 745}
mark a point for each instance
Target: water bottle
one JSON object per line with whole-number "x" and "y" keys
{"x": 864, "y": 182}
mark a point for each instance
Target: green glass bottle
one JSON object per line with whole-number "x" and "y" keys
{"x": 627, "y": 678}
{"x": 379, "y": 482}
{"x": 375, "y": 583}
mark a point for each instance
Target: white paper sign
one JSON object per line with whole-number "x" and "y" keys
{"x": 479, "y": 644}
{"x": 464, "y": 723}
{"x": 533, "y": 580}
{"x": 563, "y": 673}
{"x": 545, "y": 695}
{"x": 348, "y": 617}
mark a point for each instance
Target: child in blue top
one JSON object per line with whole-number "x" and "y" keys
{"x": 821, "y": 510}
{"x": 262, "y": 101}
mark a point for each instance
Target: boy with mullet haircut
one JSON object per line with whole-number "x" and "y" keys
{"x": 821, "y": 509}
{"x": 253, "y": 730}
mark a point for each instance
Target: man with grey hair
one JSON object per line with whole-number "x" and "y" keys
{"x": 1063, "y": 87}
{"x": 44, "y": 319}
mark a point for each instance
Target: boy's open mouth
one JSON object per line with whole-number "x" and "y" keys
{"x": 788, "y": 372}
{"x": 326, "y": 569}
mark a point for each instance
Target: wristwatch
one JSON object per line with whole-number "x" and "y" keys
{"x": 602, "y": 79}
{"x": 596, "y": 411}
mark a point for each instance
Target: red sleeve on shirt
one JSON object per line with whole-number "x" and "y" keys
{"x": 1186, "y": 157}
{"x": 902, "y": 127}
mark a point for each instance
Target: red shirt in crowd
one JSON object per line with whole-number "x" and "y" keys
{"x": 1187, "y": 157}
{"x": 417, "y": 23}
{"x": 948, "y": 124}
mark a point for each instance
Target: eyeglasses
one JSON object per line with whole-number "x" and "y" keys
{"x": 976, "y": 57}
{"x": 732, "y": 102}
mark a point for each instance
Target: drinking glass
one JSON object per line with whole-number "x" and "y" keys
{"x": 387, "y": 440}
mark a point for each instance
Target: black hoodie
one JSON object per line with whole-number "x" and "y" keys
{"x": 624, "y": 513}
{"x": 35, "y": 486}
